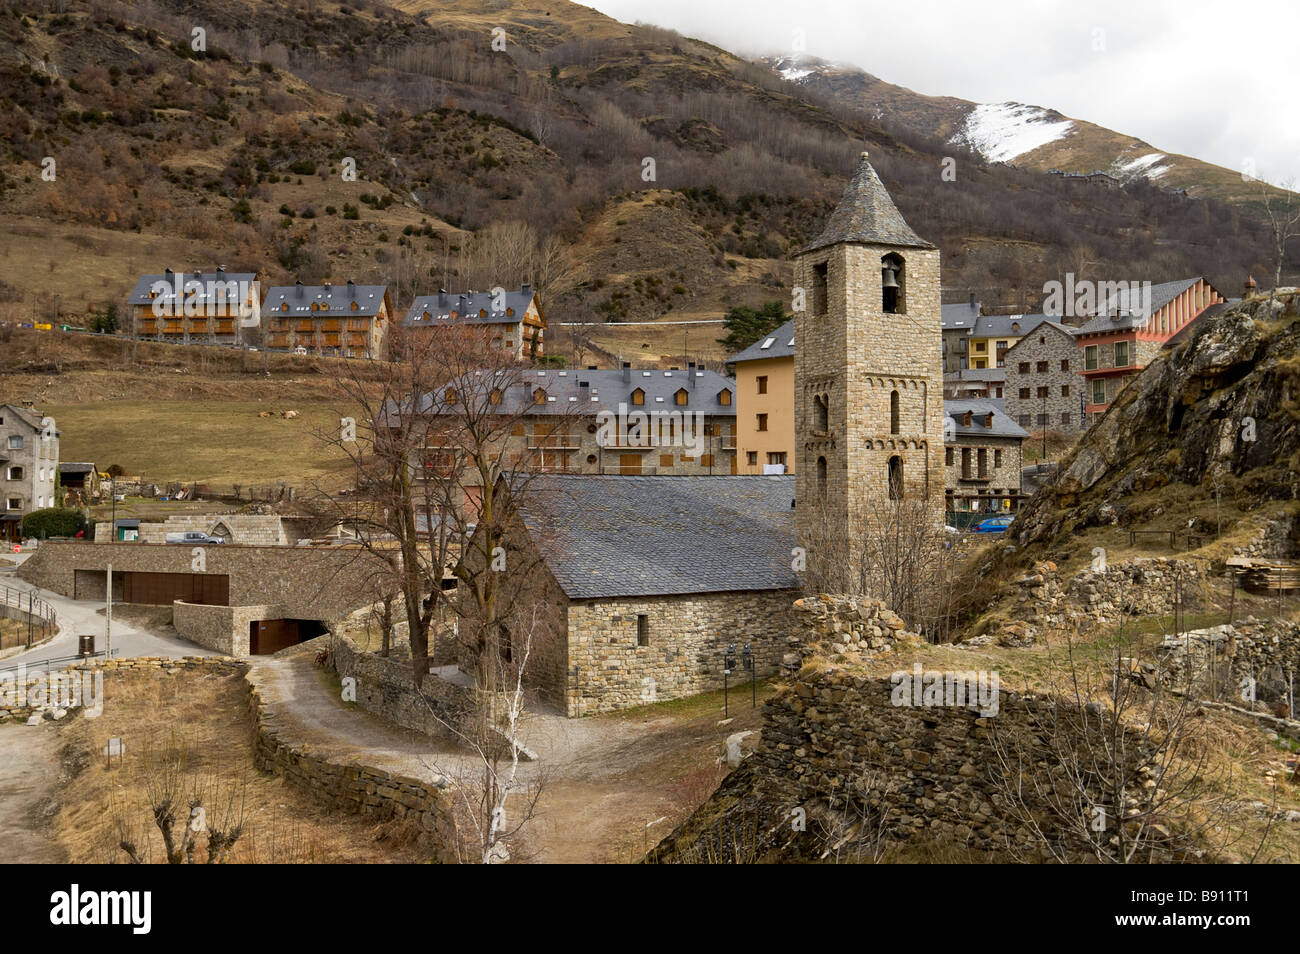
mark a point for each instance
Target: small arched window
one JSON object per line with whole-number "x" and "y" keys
{"x": 821, "y": 413}
{"x": 893, "y": 412}
{"x": 638, "y": 396}
{"x": 895, "y": 478}
{"x": 821, "y": 476}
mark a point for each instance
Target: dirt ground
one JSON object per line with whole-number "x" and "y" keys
{"x": 29, "y": 784}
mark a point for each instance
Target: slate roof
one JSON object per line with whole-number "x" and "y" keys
{"x": 867, "y": 214}
{"x": 607, "y": 536}
{"x": 31, "y": 418}
{"x": 1003, "y": 426}
{"x": 975, "y": 374}
{"x": 960, "y": 315}
{"x": 780, "y": 344}
{"x": 465, "y": 308}
{"x": 590, "y": 392}
{"x": 369, "y": 299}
{"x": 1007, "y": 326}
{"x": 216, "y": 280}
{"x": 1131, "y": 308}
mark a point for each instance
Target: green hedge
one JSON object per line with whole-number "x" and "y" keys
{"x": 53, "y": 522}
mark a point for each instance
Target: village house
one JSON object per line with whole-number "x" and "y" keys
{"x": 624, "y": 422}
{"x": 765, "y": 384}
{"x": 216, "y": 307}
{"x": 1128, "y": 331}
{"x": 982, "y": 457}
{"x": 1044, "y": 388}
{"x": 987, "y": 342}
{"x": 511, "y": 320}
{"x": 975, "y": 383}
{"x": 958, "y": 321}
{"x": 346, "y": 320}
{"x": 29, "y": 458}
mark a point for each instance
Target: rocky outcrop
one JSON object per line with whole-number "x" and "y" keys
{"x": 1218, "y": 405}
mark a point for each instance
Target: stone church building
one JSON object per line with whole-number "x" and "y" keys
{"x": 650, "y": 582}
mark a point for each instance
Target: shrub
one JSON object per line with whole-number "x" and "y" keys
{"x": 53, "y": 522}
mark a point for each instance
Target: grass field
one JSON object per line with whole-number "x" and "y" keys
{"x": 222, "y": 444}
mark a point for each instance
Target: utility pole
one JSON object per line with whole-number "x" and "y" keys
{"x": 108, "y": 616}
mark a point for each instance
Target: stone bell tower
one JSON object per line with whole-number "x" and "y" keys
{"x": 868, "y": 371}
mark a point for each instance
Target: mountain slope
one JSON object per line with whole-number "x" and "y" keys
{"x": 655, "y": 176}
{"x": 1029, "y": 136}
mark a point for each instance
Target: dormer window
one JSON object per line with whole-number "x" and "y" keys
{"x": 539, "y": 396}
{"x": 495, "y": 396}
{"x": 354, "y": 306}
{"x": 966, "y": 419}
{"x": 482, "y": 312}
{"x": 892, "y": 284}
{"x": 510, "y": 312}
{"x": 638, "y": 396}
{"x": 450, "y": 396}
{"x": 313, "y": 306}
{"x": 682, "y": 398}
{"x": 988, "y": 419}
{"x": 284, "y": 306}
{"x": 724, "y": 397}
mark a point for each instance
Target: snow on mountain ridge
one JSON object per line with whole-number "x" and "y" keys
{"x": 1002, "y": 131}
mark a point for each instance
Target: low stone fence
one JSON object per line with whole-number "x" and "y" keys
{"x": 351, "y": 787}
{"x": 1252, "y": 664}
{"x": 386, "y": 687}
{"x": 845, "y": 624}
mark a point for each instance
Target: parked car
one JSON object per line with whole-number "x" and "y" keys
{"x": 193, "y": 536}
{"x": 993, "y": 525}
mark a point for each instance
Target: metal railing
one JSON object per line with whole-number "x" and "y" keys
{"x": 40, "y": 621}
{"x": 56, "y": 661}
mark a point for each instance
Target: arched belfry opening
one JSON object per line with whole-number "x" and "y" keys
{"x": 893, "y": 284}
{"x": 893, "y": 412}
{"x": 821, "y": 476}
{"x": 895, "y": 478}
{"x": 821, "y": 413}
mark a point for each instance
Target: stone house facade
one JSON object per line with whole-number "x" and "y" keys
{"x": 29, "y": 464}
{"x": 1044, "y": 387}
{"x": 644, "y": 583}
{"x": 982, "y": 457}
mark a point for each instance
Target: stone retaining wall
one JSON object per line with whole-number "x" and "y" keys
{"x": 386, "y": 687}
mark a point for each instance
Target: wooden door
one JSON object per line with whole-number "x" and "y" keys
{"x": 629, "y": 464}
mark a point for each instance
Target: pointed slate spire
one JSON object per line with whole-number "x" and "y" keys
{"x": 867, "y": 214}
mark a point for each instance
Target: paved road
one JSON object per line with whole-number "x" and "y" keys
{"x": 83, "y": 616}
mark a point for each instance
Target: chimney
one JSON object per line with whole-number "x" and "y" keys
{"x": 1250, "y": 286}
{"x": 972, "y": 301}
{"x": 221, "y": 271}
{"x": 326, "y": 286}
{"x": 627, "y": 372}
{"x": 690, "y": 374}
{"x": 298, "y": 284}
{"x": 527, "y": 289}
{"x": 169, "y": 273}
{"x": 352, "y": 289}
{"x": 442, "y": 298}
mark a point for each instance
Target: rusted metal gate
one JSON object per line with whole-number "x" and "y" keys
{"x": 160, "y": 589}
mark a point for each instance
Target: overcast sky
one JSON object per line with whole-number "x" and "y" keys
{"x": 1218, "y": 81}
